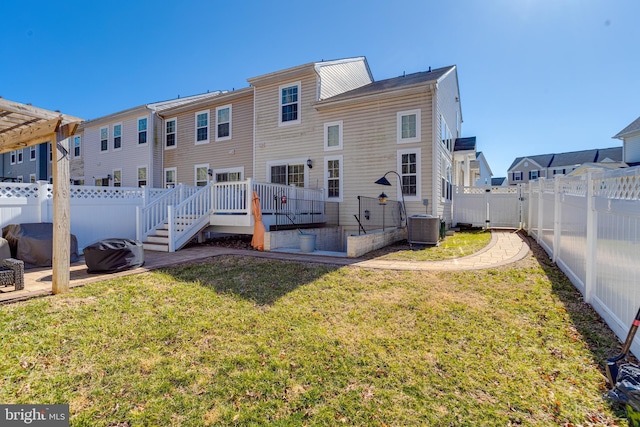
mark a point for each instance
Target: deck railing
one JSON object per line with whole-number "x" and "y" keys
{"x": 189, "y": 216}
{"x": 154, "y": 214}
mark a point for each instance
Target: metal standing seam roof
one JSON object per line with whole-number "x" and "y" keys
{"x": 634, "y": 127}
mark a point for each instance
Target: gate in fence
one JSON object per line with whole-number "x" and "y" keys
{"x": 488, "y": 206}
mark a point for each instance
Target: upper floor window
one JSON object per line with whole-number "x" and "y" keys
{"x": 13, "y": 157}
{"x": 76, "y": 146}
{"x": 223, "y": 123}
{"x": 104, "y": 139}
{"x": 333, "y": 136}
{"x": 20, "y": 155}
{"x": 445, "y": 134}
{"x": 170, "y": 133}
{"x": 117, "y": 136}
{"x": 289, "y": 104}
{"x": 142, "y": 131}
{"x": 202, "y": 127}
{"x": 408, "y": 126}
{"x": 32, "y": 153}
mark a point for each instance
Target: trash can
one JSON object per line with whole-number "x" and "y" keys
{"x": 443, "y": 229}
{"x": 307, "y": 243}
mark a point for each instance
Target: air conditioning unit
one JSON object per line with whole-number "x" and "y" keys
{"x": 424, "y": 229}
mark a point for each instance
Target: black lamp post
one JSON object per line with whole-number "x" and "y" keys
{"x": 385, "y": 181}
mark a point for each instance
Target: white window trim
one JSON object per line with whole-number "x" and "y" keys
{"x": 138, "y": 131}
{"x": 514, "y": 173}
{"x": 229, "y": 170}
{"x": 195, "y": 123}
{"x": 100, "y": 139}
{"x": 418, "y": 196}
{"x": 175, "y": 132}
{"x": 290, "y": 122}
{"x": 195, "y": 172}
{"x": 20, "y": 154}
{"x": 113, "y": 177}
{"x": 113, "y": 136}
{"x": 33, "y": 150}
{"x": 297, "y": 161}
{"x": 32, "y": 178}
{"x": 13, "y": 156}
{"x": 138, "y": 174}
{"x": 164, "y": 176}
{"x": 341, "y": 179}
{"x": 73, "y": 149}
{"x": 224, "y": 138}
{"x": 326, "y": 135}
{"x": 418, "y": 136}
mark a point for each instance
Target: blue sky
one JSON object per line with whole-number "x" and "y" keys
{"x": 536, "y": 76}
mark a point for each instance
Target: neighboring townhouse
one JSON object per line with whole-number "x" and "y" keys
{"x": 470, "y": 166}
{"x": 27, "y": 164}
{"x": 329, "y": 125}
{"x": 210, "y": 139}
{"x": 530, "y": 168}
{"x": 630, "y": 137}
{"x": 124, "y": 149}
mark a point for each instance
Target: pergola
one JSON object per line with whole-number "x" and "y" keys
{"x": 21, "y": 126}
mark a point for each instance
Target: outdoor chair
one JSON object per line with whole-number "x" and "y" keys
{"x": 12, "y": 273}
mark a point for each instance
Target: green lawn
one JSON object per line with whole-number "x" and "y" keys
{"x": 245, "y": 341}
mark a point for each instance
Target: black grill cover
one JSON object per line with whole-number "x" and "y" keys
{"x": 113, "y": 255}
{"x": 33, "y": 243}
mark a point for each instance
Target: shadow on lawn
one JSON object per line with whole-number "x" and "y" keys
{"x": 261, "y": 281}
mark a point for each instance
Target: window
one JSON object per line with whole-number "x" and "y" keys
{"x": 13, "y": 157}
{"x": 445, "y": 134}
{"x": 333, "y": 180}
{"x": 76, "y": 146}
{"x": 223, "y": 123}
{"x": 201, "y": 172}
{"x": 142, "y": 176}
{"x": 287, "y": 173}
{"x": 104, "y": 139}
{"x": 170, "y": 177}
{"x": 32, "y": 153}
{"x": 142, "y": 130}
{"x": 289, "y": 104}
{"x": 409, "y": 170}
{"x": 20, "y": 155}
{"x": 32, "y": 178}
{"x": 79, "y": 181}
{"x": 227, "y": 175}
{"x": 117, "y": 178}
{"x": 446, "y": 186}
{"x": 20, "y": 179}
{"x": 117, "y": 136}
{"x": 202, "y": 127}
{"x": 558, "y": 171}
{"x": 517, "y": 176}
{"x": 102, "y": 182}
{"x": 170, "y": 133}
{"x": 533, "y": 174}
{"x": 408, "y": 126}
{"x": 333, "y": 136}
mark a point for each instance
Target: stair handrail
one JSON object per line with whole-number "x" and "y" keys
{"x": 152, "y": 215}
{"x": 193, "y": 213}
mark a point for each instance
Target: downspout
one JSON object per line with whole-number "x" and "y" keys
{"x": 435, "y": 197}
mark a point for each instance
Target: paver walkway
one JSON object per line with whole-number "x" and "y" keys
{"x": 505, "y": 247}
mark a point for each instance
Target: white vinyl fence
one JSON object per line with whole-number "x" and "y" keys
{"x": 487, "y": 206}
{"x": 96, "y": 212}
{"x": 590, "y": 226}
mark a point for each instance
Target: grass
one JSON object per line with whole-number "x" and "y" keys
{"x": 460, "y": 244}
{"x": 244, "y": 341}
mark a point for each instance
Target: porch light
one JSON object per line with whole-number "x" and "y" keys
{"x": 309, "y": 163}
{"x": 382, "y": 198}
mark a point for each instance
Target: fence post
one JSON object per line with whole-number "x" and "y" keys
{"x": 42, "y": 201}
{"x": 540, "y": 209}
{"x": 592, "y": 238}
{"x": 138, "y": 225}
{"x": 557, "y": 219}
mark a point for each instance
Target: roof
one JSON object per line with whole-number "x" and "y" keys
{"x": 393, "y": 84}
{"x": 464, "y": 144}
{"x": 634, "y": 127}
{"x": 23, "y": 125}
{"x": 498, "y": 181}
{"x": 304, "y": 68}
{"x": 572, "y": 158}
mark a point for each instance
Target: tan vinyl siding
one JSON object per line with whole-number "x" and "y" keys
{"x": 236, "y": 152}
{"x": 342, "y": 77}
{"x": 369, "y": 143}
{"x": 632, "y": 149}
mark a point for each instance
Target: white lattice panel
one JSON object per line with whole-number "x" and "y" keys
{"x": 620, "y": 187}
{"x": 82, "y": 192}
{"x": 19, "y": 190}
